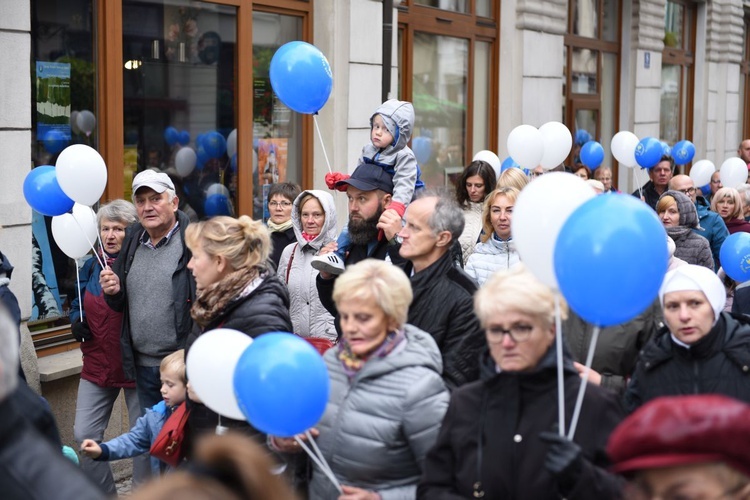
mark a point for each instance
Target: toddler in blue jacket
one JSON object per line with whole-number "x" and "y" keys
{"x": 147, "y": 428}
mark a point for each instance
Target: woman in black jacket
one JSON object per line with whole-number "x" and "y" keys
{"x": 234, "y": 289}
{"x": 702, "y": 350}
{"x": 500, "y": 438}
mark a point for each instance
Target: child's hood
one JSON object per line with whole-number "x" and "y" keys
{"x": 402, "y": 113}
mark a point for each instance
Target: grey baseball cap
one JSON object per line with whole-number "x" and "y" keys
{"x": 157, "y": 181}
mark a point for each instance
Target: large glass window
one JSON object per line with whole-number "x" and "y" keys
{"x": 677, "y": 71}
{"x": 63, "y": 76}
{"x": 744, "y": 111}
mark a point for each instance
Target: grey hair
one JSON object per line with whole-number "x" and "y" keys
{"x": 447, "y": 215}
{"x": 118, "y": 211}
{"x": 8, "y": 354}
{"x": 744, "y": 190}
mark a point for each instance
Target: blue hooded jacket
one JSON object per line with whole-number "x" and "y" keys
{"x": 712, "y": 228}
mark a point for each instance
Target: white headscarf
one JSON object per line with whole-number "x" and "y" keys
{"x": 699, "y": 278}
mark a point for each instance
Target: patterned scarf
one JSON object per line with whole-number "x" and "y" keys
{"x": 214, "y": 299}
{"x": 353, "y": 364}
{"x": 309, "y": 237}
{"x": 278, "y": 228}
{"x": 108, "y": 259}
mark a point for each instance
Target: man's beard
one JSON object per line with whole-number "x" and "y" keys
{"x": 364, "y": 231}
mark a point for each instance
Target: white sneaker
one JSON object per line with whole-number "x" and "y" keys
{"x": 328, "y": 263}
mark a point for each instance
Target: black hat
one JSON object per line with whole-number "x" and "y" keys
{"x": 369, "y": 178}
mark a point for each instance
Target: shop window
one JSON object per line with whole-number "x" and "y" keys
{"x": 745, "y": 81}
{"x": 677, "y": 71}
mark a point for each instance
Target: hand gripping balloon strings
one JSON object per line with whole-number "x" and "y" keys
{"x": 319, "y": 461}
{"x": 584, "y": 381}
{"x": 328, "y": 163}
{"x": 560, "y": 380}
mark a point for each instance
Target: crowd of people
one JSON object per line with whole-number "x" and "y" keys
{"x": 441, "y": 346}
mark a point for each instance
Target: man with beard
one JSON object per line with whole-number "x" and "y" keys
{"x": 369, "y": 190}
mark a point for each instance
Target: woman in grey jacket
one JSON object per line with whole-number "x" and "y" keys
{"x": 387, "y": 395}
{"x": 314, "y": 224}
{"x": 680, "y": 217}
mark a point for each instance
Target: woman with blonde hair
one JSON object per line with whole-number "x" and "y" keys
{"x": 727, "y": 202}
{"x": 387, "y": 396}
{"x": 513, "y": 177}
{"x": 679, "y": 217}
{"x": 234, "y": 289}
{"x": 496, "y": 249}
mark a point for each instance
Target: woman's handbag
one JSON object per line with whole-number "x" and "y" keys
{"x": 168, "y": 445}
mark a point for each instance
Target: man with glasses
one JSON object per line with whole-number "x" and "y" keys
{"x": 659, "y": 176}
{"x": 604, "y": 175}
{"x": 711, "y": 225}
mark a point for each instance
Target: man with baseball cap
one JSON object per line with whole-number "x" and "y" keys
{"x": 151, "y": 284}
{"x": 685, "y": 447}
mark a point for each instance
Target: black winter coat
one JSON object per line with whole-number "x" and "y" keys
{"x": 183, "y": 291}
{"x": 649, "y": 193}
{"x": 443, "y": 306}
{"x": 508, "y": 411}
{"x": 279, "y": 241}
{"x": 719, "y": 363}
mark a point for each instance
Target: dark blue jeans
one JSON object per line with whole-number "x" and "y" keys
{"x": 148, "y": 386}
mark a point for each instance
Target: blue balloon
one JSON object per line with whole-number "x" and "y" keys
{"x": 592, "y": 154}
{"x": 665, "y": 149}
{"x": 201, "y": 156}
{"x": 214, "y": 144}
{"x": 301, "y": 77}
{"x": 648, "y": 152}
{"x": 582, "y": 136}
{"x": 610, "y": 259}
{"x": 683, "y": 152}
{"x": 184, "y": 138}
{"x": 217, "y": 204}
{"x": 44, "y": 194}
{"x": 171, "y": 135}
{"x": 281, "y": 384}
{"x": 706, "y": 190}
{"x": 422, "y": 147}
{"x": 233, "y": 163}
{"x": 508, "y": 163}
{"x": 55, "y": 140}
{"x": 735, "y": 256}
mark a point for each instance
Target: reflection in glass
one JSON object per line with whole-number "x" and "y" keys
{"x": 439, "y": 94}
{"x": 585, "y": 130}
{"x": 586, "y": 16}
{"x": 481, "y": 115}
{"x": 673, "y": 25}
{"x": 181, "y": 95}
{"x": 484, "y": 8}
{"x": 63, "y": 104}
{"x": 671, "y": 97}
{"x": 452, "y": 5}
{"x": 584, "y": 71}
{"x": 607, "y": 127}
{"x": 610, "y": 20}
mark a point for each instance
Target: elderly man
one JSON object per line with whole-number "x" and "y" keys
{"x": 712, "y": 226}
{"x": 443, "y": 294}
{"x": 151, "y": 284}
{"x": 604, "y": 175}
{"x": 659, "y": 176}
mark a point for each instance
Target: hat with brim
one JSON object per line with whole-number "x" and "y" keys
{"x": 151, "y": 179}
{"x": 369, "y": 178}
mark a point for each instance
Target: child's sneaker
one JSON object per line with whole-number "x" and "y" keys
{"x": 328, "y": 263}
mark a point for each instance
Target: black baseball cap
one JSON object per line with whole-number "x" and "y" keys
{"x": 369, "y": 178}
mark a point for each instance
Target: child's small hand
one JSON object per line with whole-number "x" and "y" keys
{"x": 390, "y": 223}
{"x": 90, "y": 448}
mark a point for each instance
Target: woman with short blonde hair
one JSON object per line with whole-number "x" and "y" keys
{"x": 727, "y": 202}
{"x": 513, "y": 177}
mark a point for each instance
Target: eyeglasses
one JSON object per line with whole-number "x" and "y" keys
{"x": 279, "y": 204}
{"x": 717, "y": 181}
{"x": 519, "y": 332}
{"x": 314, "y": 215}
{"x": 687, "y": 191}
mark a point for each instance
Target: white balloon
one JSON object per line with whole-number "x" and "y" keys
{"x": 185, "y": 160}
{"x": 81, "y": 173}
{"x": 210, "y": 365}
{"x": 538, "y": 216}
{"x": 232, "y": 143}
{"x": 86, "y": 121}
{"x": 75, "y": 233}
{"x": 217, "y": 188}
{"x": 557, "y": 142}
{"x": 74, "y": 122}
{"x": 525, "y": 146}
{"x": 623, "y": 148}
{"x": 701, "y": 172}
{"x": 733, "y": 172}
{"x": 491, "y": 158}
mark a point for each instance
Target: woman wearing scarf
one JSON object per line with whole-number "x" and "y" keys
{"x": 280, "y": 199}
{"x": 314, "y": 224}
{"x": 98, "y": 330}
{"x": 387, "y": 395}
{"x": 680, "y": 217}
{"x": 234, "y": 289}
{"x": 701, "y": 350}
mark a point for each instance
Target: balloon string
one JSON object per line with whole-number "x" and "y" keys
{"x": 328, "y": 163}
{"x": 584, "y": 381}
{"x": 80, "y": 295}
{"x": 98, "y": 259}
{"x": 322, "y": 465}
{"x": 638, "y": 181}
{"x": 560, "y": 380}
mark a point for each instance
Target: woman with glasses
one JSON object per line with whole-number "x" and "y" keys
{"x": 280, "y": 199}
{"x": 727, "y": 202}
{"x": 314, "y": 225}
{"x": 499, "y": 438}
{"x": 679, "y": 216}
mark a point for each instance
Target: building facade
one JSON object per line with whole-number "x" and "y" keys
{"x": 143, "y": 80}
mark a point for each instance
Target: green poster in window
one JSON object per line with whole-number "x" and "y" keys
{"x": 52, "y": 98}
